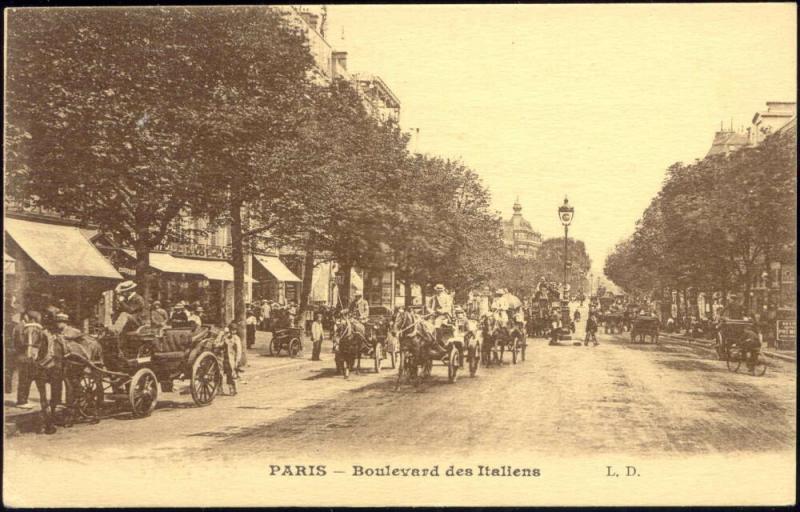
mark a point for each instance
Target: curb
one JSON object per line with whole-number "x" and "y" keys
{"x": 709, "y": 345}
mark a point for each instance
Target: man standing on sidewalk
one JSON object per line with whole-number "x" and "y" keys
{"x": 317, "y": 335}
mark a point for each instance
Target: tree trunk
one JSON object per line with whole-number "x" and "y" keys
{"x": 143, "y": 270}
{"x": 308, "y": 274}
{"x": 409, "y": 299}
{"x": 237, "y": 254}
{"x": 344, "y": 290}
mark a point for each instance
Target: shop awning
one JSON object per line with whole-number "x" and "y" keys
{"x": 9, "y": 264}
{"x": 214, "y": 270}
{"x": 60, "y": 250}
{"x": 276, "y": 267}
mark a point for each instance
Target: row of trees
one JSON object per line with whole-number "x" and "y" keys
{"x": 129, "y": 119}
{"x": 716, "y": 224}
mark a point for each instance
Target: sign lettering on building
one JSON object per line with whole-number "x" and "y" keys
{"x": 786, "y": 330}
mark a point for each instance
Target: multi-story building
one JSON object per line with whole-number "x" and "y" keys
{"x": 519, "y": 236}
{"x": 777, "y": 115}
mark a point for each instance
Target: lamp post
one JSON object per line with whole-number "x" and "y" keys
{"x": 565, "y": 214}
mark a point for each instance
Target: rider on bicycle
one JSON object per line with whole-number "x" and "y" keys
{"x": 749, "y": 341}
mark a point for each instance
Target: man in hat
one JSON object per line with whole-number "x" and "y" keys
{"x": 360, "y": 308}
{"x": 734, "y": 310}
{"x": 131, "y": 308}
{"x": 179, "y": 314}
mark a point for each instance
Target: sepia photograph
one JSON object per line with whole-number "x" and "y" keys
{"x": 400, "y": 255}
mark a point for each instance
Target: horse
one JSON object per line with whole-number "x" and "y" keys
{"x": 416, "y": 338}
{"x": 50, "y": 354}
{"x": 347, "y": 340}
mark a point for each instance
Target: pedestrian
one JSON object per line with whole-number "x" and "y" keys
{"x": 158, "y": 316}
{"x": 231, "y": 355}
{"x": 266, "y": 310}
{"x": 292, "y": 313}
{"x": 555, "y": 327}
{"x": 591, "y": 331}
{"x": 179, "y": 315}
{"x": 250, "y": 327}
{"x": 27, "y": 332}
{"x": 317, "y": 335}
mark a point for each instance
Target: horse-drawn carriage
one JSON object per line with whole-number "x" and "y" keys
{"x": 135, "y": 363}
{"x": 613, "y": 322}
{"x": 288, "y": 340}
{"x": 380, "y": 343}
{"x": 645, "y": 326}
{"x": 499, "y": 339}
{"x": 461, "y": 340}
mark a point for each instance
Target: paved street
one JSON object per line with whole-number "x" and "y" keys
{"x": 669, "y": 399}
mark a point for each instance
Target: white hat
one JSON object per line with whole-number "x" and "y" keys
{"x": 125, "y": 286}
{"x": 62, "y": 317}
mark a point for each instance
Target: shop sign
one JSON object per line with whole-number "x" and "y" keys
{"x": 785, "y": 330}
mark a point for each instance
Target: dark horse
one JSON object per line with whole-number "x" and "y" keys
{"x": 51, "y": 355}
{"x": 347, "y": 341}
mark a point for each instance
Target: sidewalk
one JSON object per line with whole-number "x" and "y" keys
{"x": 259, "y": 365}
{"x": 786, "y": 355}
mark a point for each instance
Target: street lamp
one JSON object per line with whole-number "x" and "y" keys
{"x": 565, "y": 214}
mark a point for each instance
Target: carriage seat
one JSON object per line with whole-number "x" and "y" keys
{"x": 175, "y": 341}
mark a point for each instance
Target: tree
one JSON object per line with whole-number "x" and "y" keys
{"x": 96, "y": 118}
{"x": 248, "y": 119}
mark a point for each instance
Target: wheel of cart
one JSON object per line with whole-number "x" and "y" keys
{"x": 372, "y": 347}
{"x": 206, "y": 378}
{"x": 473, "y": 352}
{"x": 644, "y": 326}
{"x": 454, "y": 359}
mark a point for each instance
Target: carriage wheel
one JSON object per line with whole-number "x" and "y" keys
{"x": 206, "y": 379}
{"x": 143, "y": 392}
{"x": 474, "y": 356}
{"x": 452, "y": 364}
{"x": 734, "y": 359}
{"x": 274, "y": 347}
{"x": 378, "y": 353}
{"x": 84, "y": 395}
{"x": 295, "y": 347}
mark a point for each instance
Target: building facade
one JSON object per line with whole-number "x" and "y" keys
{"x": 519, "y": 236}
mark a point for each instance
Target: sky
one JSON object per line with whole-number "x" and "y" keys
{"x": 590, "y": 101}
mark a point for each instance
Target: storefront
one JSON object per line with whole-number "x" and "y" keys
{"x": 275, "y": 281}
{"x": 196, "y": 281}
{"x": 55, "y": 262}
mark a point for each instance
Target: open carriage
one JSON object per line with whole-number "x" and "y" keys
{"x": 136, "y": 363}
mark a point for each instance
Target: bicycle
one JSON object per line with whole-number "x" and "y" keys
{"x": 736, "y": 356}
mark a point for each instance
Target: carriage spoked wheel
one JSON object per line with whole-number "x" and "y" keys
{"x": 295, "y": 347}
{"x": 85, "y": 395}
{"x": 143, "y": 392}
{"x": 734, "y": 359}
{"x": 274, "y": 347}
{"x": 720, "y": 347}
{"x": 206, "y": 379}
{"x": 453, "y": 362}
